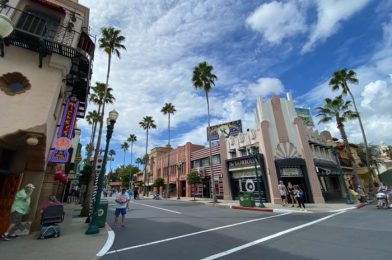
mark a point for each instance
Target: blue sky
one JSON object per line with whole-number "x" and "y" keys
{"x": 257, "y": 48}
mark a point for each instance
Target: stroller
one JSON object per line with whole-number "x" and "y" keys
{"x": 50, "y": 219}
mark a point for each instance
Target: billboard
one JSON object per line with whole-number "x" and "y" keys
{"x": 304, "y": 114}
{"x": 226, "y": 130}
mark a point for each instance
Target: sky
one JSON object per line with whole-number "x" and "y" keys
{"x": 257, "y": 48}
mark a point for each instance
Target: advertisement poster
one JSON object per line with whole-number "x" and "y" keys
{"x": 226, "y": 130}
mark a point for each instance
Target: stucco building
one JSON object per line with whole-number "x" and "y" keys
{"x": 45, "y": 71}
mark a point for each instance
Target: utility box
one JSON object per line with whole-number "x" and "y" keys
{"x": 102, "y": 213}
{"x": 247, "y": 199}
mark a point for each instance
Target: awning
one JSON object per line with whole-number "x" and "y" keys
{"x": 50, "y": 5}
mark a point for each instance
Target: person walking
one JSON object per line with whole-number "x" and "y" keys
{"x": 121, "y": 208}
{"x": 19, "y": 208}
{"x": 283, "y": 193}
{"x": 290, "y": 190}
{"x": 299, "y": 196}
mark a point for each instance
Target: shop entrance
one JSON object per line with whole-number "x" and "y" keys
{"x": 9, "y": 186}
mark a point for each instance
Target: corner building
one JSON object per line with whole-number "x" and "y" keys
{"x": 47, "y": 60}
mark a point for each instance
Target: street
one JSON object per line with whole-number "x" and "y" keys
{"x": 166, "y": 229}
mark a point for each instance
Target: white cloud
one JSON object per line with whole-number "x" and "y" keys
{"x": 277, "y": 21}
{"x": 330, "y": 15}
{"x": 265, "y": 87}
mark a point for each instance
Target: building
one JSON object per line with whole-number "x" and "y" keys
{"x": 44, "y": 83}
{"x": 282, "y": 152}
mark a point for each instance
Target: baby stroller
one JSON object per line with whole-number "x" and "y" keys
{"x": 50, "y": 219}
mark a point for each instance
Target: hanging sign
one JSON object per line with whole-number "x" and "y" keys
{"x": 63, "y": 140}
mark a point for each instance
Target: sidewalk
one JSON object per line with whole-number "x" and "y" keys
{"x": 269, "y": 207}
{"x": 72, "y": 244}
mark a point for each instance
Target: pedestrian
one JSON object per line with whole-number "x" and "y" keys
{"x": 135, "y": 194}
{"x": 290, "y": 190}
{"x": 362, "y": 195}
{"x": 299, "y": 196}
{"x": 283, "y": 193}
{"x": 19, "y": 208}
{"x": 121, "y": 208}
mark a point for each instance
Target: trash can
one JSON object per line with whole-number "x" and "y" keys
{"x": 247, "y": 199}
{"x": 102, "y": 213}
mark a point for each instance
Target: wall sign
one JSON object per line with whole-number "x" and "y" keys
{"x": 291, "y": 172}
{"x": 63, "y": 142}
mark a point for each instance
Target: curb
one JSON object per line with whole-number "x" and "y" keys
{"x": 252, "y": 208}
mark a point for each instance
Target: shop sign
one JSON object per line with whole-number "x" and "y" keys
{"x": 241, "y": 163}
{"x": 291, "y": 172}
{"x": 226, "y": 130}
{"x": 63, "y": 142}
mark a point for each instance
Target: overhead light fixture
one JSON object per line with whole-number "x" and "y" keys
{"x": 32, "y": 140}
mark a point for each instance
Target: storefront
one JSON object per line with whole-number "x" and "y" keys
{"x": 294, "y": 171}
{"x": 242, "y": 177}
{"x": 330, "y": 181}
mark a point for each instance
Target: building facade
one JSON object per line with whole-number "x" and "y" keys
{"x": 46, "y": 63}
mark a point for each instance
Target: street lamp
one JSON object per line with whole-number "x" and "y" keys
{"x": 6, "y": 26}
{"x": 254, "y": 154}
{"x": 332, "y": 144}
{"x": 178, "y": 179}
{"x": 93, "y": 228}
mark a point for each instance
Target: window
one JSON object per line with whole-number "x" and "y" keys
{"x": 215, "y": 160}
{"x": 14, "y": 83}
{"x": 205, "y": 162}
{"x": 38, "y": 23}
{"x": 195, "y": 164}
{"x": 243, "y": 153}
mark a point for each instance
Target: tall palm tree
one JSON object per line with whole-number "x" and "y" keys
{"x": 139, "y": 161}
{"x": 92, "y": 118}
{"x": 96, "y": 98}
{"x": 204, "y": 79}
{"x": 147, "y": 123}
{"x": 168, "y": 109}
{"x": 111, "y": 154}
{"x": 111, "y": 42}
{"x": 132, "y": 138}
{"x": 339, "y": 110}
{"x": 124, "y": 147}
{"x": 339, "y": 81}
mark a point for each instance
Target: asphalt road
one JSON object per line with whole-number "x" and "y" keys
{"x": 184, "y": 230}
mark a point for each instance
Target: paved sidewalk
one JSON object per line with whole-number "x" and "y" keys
{"x": 269, "y": 207}
{"x": 72, "y": 244}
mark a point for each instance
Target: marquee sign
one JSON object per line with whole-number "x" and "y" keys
{"x": 63, "y": 142}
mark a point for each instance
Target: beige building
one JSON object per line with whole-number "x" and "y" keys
{"x": 47, "y": 59}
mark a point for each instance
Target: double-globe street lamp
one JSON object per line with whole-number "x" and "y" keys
{"x": 6, "y": 25}
{"x": 332, "y": 144}
{"x": 93, "y": 227}
{"x": 253, "y": 153}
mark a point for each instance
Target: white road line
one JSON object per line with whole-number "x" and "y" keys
{"x": 261, "y": 240}
{"x": 195, "y": 233}
{"x": 156, "y": 207}
{"x": 338, "y": 210}
{"x": 108, "y": 244}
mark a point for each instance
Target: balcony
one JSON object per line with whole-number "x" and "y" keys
{"x": 47, "y": 34}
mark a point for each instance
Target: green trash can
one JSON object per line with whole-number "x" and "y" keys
{"x": 247, "y": 199}
{"x": 102, "y": 213}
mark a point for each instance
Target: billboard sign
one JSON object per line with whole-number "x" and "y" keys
{"x": 305, "y": 115}
{"x": 226, "y": 130}
{"x": 62, "y": 141}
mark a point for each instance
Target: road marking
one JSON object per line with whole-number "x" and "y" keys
{"x": 195, "y": 233}
{"x": 156, "y": 207}
{"x": 261, "y": 240}
{"x": 108, "y": 244}
{"x": 345, "y": 209}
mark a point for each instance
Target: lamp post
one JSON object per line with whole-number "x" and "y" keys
{"x": 6, "y": 26}
{"x": 92, "y": 227}
{"x": 178, "y": 179}
{"x": 253, "y": 153}
{"x": 332, "y": 144}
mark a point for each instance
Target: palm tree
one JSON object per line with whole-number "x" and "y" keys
{"x": 132, "y": 138}
{"x": 146, "y": 124}
{"x": 111, "y": 42}
{"x": 97, "y": 98}
{"x": 139, "y": 161}
{"x": 340, "y": 80}
{"x": 168, "y": 109}
{"x": 203, "y": 78}
{"x": 92, "y": 118}
{"x": 111, "y": 154}
{"x": 124, "y": 147}
{"x": 339, "y": 110}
